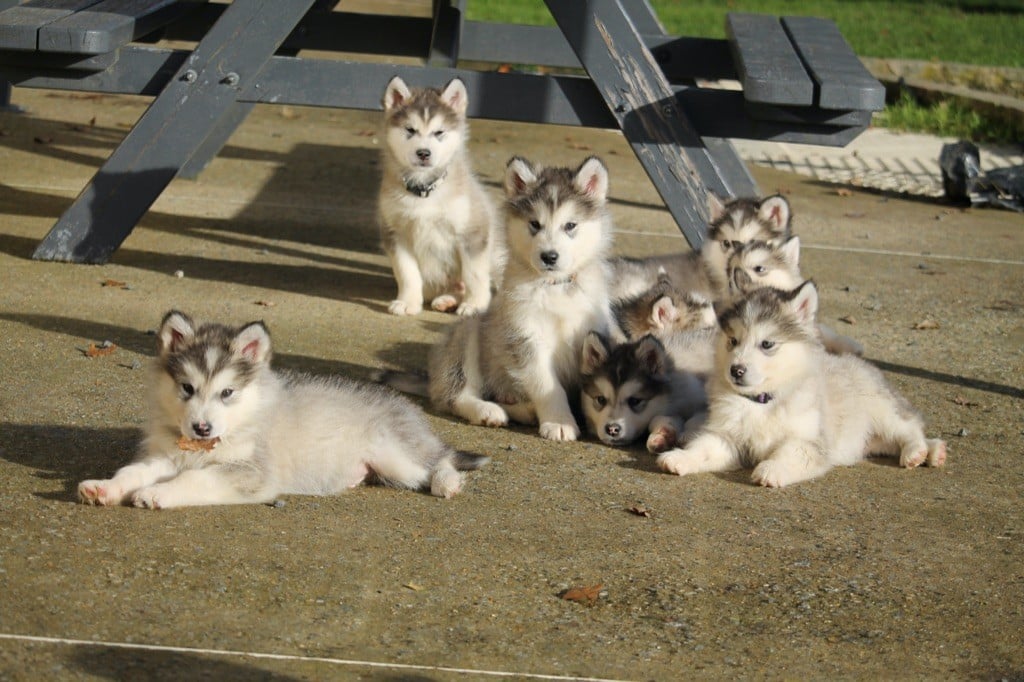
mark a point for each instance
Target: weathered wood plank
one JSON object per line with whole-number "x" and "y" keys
{"x": 843, "y": 81}
{"x": 109, "y": 24}
{"x": 769, "y": 67}
{"x": 19, "y": 26}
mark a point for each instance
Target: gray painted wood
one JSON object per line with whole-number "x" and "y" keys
{"x": 768, "y": 66}
{"x": 172, "y": 129}
{"x": 107, "y": 25}
{"x": 19, "y": 26}
{"x": 843, "y": 82}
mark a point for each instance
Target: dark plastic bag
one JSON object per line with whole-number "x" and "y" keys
{"x": 964, "y": 182}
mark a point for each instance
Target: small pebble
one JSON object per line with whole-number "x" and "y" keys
{"x": 277, "y": 504}
{"x": 179, "y": 273}
{"x": 962, "y": 432}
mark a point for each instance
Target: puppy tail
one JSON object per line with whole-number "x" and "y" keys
{"x": 412, "y": 383}
{"x": 469, "y": 461}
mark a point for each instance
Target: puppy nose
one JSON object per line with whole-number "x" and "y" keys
{"x": 613, "y": 430}
{"x": 737, "y": 371}
{"x": 423, "y": 154}
{"x": 202, "y": 429}
{"x": 549, "y": 257}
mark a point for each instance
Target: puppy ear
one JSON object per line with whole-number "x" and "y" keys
{"x": 176, "y": 330}
{"x": 741, "y": 281}
{"x": 252, "y": 342}
{"x": 595, "y": 352}
{"x": 803, "y": 301}
{"x": 396, "y": 94}
{"x": 650, "y": 355}
{"x": 592, "y": 179}
{"x": 455, "y": 96}
{"x": 775, "y": 211}
{"x": 790, "y": 250}
{"x": 716, "y": 207}
{"x": 664, "y": 312}
{"x": 520, "y": 175}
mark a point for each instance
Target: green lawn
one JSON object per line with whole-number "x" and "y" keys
{"x": 984, "y": 32}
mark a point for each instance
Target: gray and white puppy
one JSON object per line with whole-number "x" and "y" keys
{"x": 439, "y": 227}
{"x": 778, "y": 402}
{"x": 225, "y": 428}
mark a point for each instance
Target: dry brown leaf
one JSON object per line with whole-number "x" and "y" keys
{"x": 113, "y": 283}
{"x": 848, "y": 319}
{"x": 960, "y": 400}
{"x": 366, "y": 133}
{"x": 583, "y": 595}
{"x": 266, "y": 304}
{"x": 413, "y": 586}
{"x": 844, "y": 192}
{"x": 640, "y": 510}
{"x": 927, "y": 324}
{"x": 288, "y": 113}
{"x": 94, "y": 351}
{"x": 197, "y": 444}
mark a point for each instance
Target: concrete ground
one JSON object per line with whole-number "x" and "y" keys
{"x": 869, "y": 572}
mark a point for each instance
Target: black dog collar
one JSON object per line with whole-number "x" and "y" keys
{"x": 424, "y": 190}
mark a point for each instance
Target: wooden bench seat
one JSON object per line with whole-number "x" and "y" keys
{"x": 85, "y": 27}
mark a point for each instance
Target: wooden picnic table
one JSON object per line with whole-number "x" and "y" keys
{"x": 800, "y": 83}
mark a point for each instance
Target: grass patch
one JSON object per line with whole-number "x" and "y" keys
{"x": 948, "y": 118}
{"x": 982, "y": 32}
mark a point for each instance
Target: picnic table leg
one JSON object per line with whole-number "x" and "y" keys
{"x": 640, "y": 98}
{"x": 171, "y": 130}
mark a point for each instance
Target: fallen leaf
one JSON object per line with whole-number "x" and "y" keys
{"x": 960, "y": 400}
{"x": 92, "y": 121}
{"x": 42, "y": 140}
{"x": 848, "y": 319}
{"x": 1003, "y": 306}
{"x": 197, "y": 444}
{"x": 854, "y": 214}
{"x": 414, "y": 587}
{"x": 583, "y": 595}
{"x": 105, "y": 348}
{"x": 366, "y": 133}
{"x": 266, "y": 304}
{"x": 288, "y": 113}
{"x": 844, "y": 192}
{"x": 640, "y": 510}
{"x": 927, "y": 324}
{"x": 113, "y": 283}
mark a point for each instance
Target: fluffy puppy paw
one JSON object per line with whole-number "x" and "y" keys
{"x": 445, "y": 303}
{"x": 913, "y": 455}
{"x": 555, "y": 431}
{"x": 661, "y": 439}
{"x": 936, "y": 452}
{"x": 490, "y": 414}
{"x": 445, "y": 484}
{"x": 400, "y": 307}
{"x": 147, "y": 498}
{"x": 774, "y": 474}
{"x": 102, "y": 493}
{"x": 679, "y": 461}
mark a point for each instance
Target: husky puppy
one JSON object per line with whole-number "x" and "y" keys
{"x": 632, "y": 389}
{"x": 778, "y": 402}
{"x": 438, "y": 225}
{"x": 521, "y": 357}
{"x": 760, "y": 264}
{"x": 226, "y": 428}
{"x": 732, "y": 223}
{"x": 662, "y": 310}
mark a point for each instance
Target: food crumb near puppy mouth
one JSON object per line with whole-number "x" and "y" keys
{"x": 197, "y": 444}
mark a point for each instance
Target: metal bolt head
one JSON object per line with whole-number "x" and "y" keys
{"x": 189, "y": 76}
{"x": 230, "y": 79}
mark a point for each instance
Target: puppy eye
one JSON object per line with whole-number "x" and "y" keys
{"x": 188, "y": 389}
{"x": 410, "y": 131}
{"x": 439, "y": 134}
{"x": 600, "y": 401}
{"x": 760, "y": 269}
{"x": 726, "y": 245}
{"x": 569, "y": 228}
{"x": 636, "y": 404}
{"x": 733, "y": 342}
{"x": 767, "y": 345}
{"x": 226, "y": 393}
{"x": 534, "y": 226}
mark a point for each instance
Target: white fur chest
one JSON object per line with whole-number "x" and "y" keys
{"x": 758, "y": 429}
